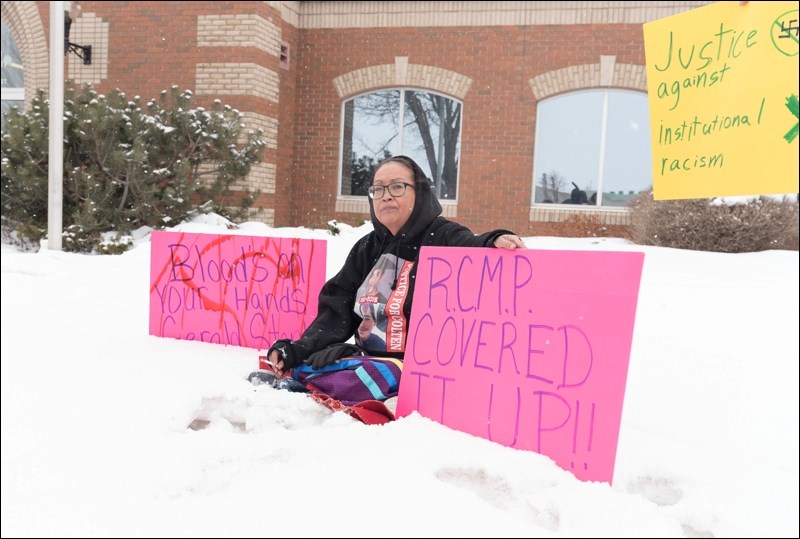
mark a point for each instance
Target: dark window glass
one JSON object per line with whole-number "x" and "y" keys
{"x": 430, "y": 133}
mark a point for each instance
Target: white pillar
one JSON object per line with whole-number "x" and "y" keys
{"x": 55, "y": 166}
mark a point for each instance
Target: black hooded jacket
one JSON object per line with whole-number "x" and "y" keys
{"x": 336, "y": 320}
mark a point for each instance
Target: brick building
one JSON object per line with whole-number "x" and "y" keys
{"x": 510, "y": 106}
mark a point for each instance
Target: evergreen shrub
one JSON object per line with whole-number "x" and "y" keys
{"x": 126, "y": 165}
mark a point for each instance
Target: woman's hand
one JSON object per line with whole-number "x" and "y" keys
{"x": 281, "y": 356}
{"x": 277, "y": 363}
{"x": 508, "y": 241}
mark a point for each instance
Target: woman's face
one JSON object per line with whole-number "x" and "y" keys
{"x": 394, "y": 212}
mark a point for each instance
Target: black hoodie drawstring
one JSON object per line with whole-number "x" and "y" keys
{"x": 396, "y": 258}
{"x": 380, "y": 250}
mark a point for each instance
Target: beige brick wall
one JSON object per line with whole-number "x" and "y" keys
{"x": 388, "y": 14}
{"x": 253, "y": 121}
{"x": 89, "y": 29}
{"x": 261, "y": 177}
{"x": 605, "y": 73}
{"x": 401, "y": 73}
{"x": 237, "y": 79}
{"x": 542, "y": 214}
{"x": 244, "y": 30}
{"x": 290, "y": 11}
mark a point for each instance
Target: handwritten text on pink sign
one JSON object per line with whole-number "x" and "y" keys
{"x": 526, "y": 348}
{"x": 230, "y": 289}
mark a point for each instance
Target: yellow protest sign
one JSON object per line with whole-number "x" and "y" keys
{"x": 723, "y": 93}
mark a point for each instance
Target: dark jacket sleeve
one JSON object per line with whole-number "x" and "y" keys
{"x": 336, "y": 321}
{"x": 452, "y": 234}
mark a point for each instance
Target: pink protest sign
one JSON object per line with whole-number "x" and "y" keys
{"x": 238, "y": 290}
{"x": 526, "y": 348}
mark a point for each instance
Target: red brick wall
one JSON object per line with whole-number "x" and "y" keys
{"x": 286, "y": 188}
{"x": 499, "y": 110}
{"x": 153, "y": 45}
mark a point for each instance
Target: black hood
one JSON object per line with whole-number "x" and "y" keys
{"x": 426, "y": 207}
{"x": 337, "y": 319}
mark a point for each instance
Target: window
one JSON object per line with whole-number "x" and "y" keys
{"x": 284, "y": 61}
{"x": 429, "y": 133}
{"x": 12, "y": 75}
{"x": 592, "y": 147}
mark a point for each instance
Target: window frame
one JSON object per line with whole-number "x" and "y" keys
{"x": 12, "y": 94}
{"x": 603, "y": 147}
{"x": 400, "y": 136}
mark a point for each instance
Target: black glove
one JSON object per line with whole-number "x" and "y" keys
{"x": 328, "y": 355}
{"x": 285, "y": 352}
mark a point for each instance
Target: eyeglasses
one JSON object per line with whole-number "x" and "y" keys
{"x": 397, "y": 189}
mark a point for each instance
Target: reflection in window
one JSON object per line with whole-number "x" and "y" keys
{"x": 8, "y": 104}
{"x": 13, "y": 80}
{"x": 430, "y": 133}
{"x": 592, "y": 147}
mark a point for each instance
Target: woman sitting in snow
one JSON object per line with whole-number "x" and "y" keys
{"x": 406, "y": 216}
